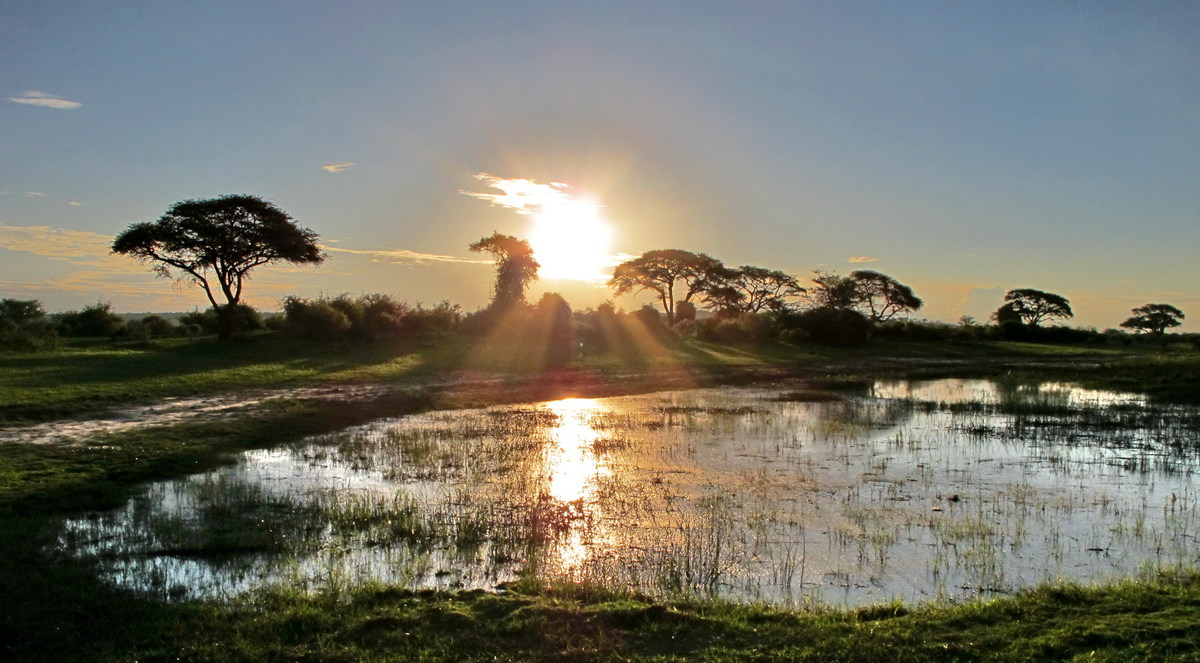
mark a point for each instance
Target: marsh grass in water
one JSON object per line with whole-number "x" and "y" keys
{"x": 912, "y": 494}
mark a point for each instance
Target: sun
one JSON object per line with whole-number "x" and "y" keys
{"x": 571, "y": 240}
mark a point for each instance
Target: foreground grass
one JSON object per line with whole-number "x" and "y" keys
{"x": 1154, "y": 619}
{"x": 63, "y": 614}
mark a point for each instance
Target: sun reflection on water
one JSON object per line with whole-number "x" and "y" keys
{"x": 571, "y": 466}
{"x": 572, "y": 469}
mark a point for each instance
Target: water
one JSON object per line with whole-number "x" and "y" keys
{"x": 916, "y": 491}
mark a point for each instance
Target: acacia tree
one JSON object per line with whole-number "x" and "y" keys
{"x": 516, "y": 267}
{"x": 1032, "y": 307}
{"x": 882, "y": 296}
{"x": 216, "y": 243}
{"x": 765, "y": 289}
{"x": 832, "y": 290}
{"x": 1154, "y": 318}
{"x": 667, "y": 272}
{"x": 725, "y": 300}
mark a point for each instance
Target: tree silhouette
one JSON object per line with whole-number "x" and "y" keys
{"x": 661, "y": 271}
{"x": 832, "y": 290}
{"x": 765, "y": 289}
{"x": 216, "y": 243}
{"x": 725, "y": 301}
{"x": 1032, "y": 307}
{"x": 516, "y": 267}
{"x": 1154, "y": 318}
{"x": 882, "y": 296}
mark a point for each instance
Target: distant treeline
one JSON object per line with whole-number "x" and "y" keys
{"x": 561, "y": 332}
{"x": 216, "y": 243}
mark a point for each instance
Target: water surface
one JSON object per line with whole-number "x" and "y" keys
{"x": 912, "y": 490}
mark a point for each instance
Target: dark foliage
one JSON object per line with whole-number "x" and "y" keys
{"x": 95, "y": 320}
{"x": 242, "y": 317}
{"x": 1154, "y": 318}
{"x": 373, "y": 318}
{"x": 1032, "y": 307}
{"x": 738, "y": 329}
{"x": 516, "y": 268}
{"x": 834, "y": 326}
{"x": 552, "y": 320}
{"x": 667, "y": 273}
{"x": 24, "y": 326}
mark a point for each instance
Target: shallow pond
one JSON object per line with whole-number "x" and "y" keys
{"x": 907, "y": 490}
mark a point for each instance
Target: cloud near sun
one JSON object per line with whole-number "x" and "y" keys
{"x": 35, "y": 98}
{"x": 570, "y": 238}
{"x": 524, "y": 196}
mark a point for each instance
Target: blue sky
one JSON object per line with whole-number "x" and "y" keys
{"x": 964, "y": 148}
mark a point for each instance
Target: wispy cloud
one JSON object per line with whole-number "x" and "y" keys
{"x": 523, "y": 195}
{"x": 34, "y": 194}
{"x": 404, "y": 255}
{"x": 74, "y": 203}
{"x": 858, "y": 259}
{"x": 339, "y": 167}
{"x": 35, "y": 98}
{"x": 81, "y": 249}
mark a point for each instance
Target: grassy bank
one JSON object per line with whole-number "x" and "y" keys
{"x": 72, "y": 617}
{"x": 58, "y": 610}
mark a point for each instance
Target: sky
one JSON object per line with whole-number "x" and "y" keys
{"x": 964, "y": 148}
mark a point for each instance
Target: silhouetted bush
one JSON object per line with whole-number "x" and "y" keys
{"x": 651, "y": 320}
{"x": 737, "y": 329}
{"x": 684, "y": 311}
{"x": 243, "y": 319}
{"x": 369, "y": 318}
{"x": 95, "y": 320}
{"x": 599, "y": 330}
{"x": 205, "y": 320}
{"x": 834, "y": 326}
{"x": 156, "y": 325}
{"x": 1016, "y": 331}
{"x": 915, "y": 330}
{"x": 151, "y": 326}
{"x": 552, "y": 320}
{"x": 431, "y": 324}
{"x": 24, "y": 326}
{"x": 378, "y": 317}
{"x": 317, "y": 320}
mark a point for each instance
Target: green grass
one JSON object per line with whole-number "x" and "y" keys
{"x": 75, "y": 379}
{"x": 63, "y": 615}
